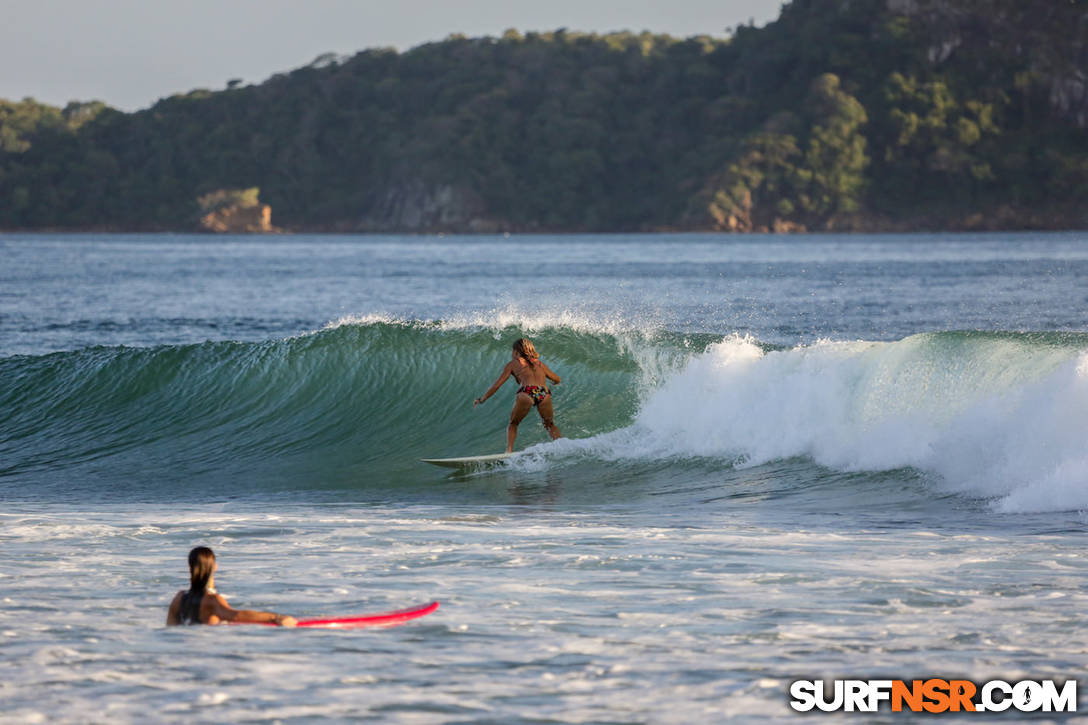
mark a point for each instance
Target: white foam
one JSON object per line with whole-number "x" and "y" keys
{"x": 535, "y": 320}
{"x": 994, "y": 418}
{"x": 367, "y": 320}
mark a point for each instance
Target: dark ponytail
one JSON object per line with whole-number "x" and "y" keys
{"x": 201, "y": 568}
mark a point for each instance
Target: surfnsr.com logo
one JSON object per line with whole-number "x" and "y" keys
{"x": 933, "y": 695}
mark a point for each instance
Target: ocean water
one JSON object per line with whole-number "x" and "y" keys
{"x": 786, "y": 457}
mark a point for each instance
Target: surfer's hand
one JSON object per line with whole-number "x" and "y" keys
{"x": 478, "y": 401}
{"x": 286, "y": 620}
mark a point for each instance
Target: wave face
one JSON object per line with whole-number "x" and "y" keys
{"x": 358, "y": 399}
{"x": 998, "y": 416}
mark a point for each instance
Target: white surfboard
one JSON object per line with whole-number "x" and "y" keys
{"x": 469, "y": 462}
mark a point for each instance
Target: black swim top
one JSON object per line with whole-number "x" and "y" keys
{"x": 189, "y": 611}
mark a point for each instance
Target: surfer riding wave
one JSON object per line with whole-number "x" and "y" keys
{"x": 532, "y": 375}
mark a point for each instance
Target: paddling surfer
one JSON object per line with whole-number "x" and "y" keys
{"x": 203, "y": 605}
{"x": 532, "y": 375}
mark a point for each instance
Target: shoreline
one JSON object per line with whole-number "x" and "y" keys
{"x": 974, "y": 224}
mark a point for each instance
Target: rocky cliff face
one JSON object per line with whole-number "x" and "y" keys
{"x": 1070, "y": 96}
{"x": 417, "y": 206}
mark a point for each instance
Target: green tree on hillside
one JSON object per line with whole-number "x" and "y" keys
{"x": 802, "y": 170}
{"x": 932, "y": 141}
{"x": 832, "y": 177}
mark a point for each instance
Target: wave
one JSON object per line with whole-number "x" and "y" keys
{"x": 1000, "y": 416}
{"x": 367, "y": 395}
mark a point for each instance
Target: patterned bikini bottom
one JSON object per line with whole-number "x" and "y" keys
{"x": 536, "y": 392}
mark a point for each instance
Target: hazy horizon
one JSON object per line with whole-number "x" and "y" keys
{"x": 130, "y": 53}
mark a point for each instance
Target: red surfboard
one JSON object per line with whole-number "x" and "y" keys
{"x": 387, "y": 619}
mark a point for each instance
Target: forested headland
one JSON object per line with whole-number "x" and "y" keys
{"x": 841, "y": 114}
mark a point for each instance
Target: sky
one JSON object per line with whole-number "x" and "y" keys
{"x": 130, "y": 53}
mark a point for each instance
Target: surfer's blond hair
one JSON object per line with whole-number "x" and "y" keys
{"x": 524, "y": 347}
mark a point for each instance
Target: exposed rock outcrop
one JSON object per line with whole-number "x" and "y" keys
{"x": 239, "y": 219}
{"x": 235, "y": 211}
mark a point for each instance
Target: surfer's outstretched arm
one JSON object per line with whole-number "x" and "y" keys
{"x": 494, "y": 386}
{"x": 550, "y": 375}
{"x": 223, "y": 612}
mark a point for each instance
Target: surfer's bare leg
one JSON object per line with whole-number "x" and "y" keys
{"x": 547, "y": 415}
{"x": 522, "y": 405}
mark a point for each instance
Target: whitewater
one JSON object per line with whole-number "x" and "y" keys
{"x": 785, "y": 458}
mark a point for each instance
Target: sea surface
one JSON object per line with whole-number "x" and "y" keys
{"x": 786, "y": 457}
